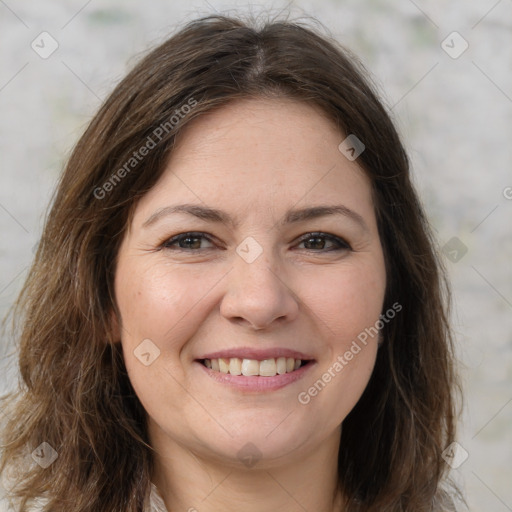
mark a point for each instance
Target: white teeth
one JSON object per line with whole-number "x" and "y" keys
{"x": 224, "y": 365}
{"x": 281, "y": 365}
{"x": 268, "y": 368}
{"x": 248, "y": 367}
{"x": 235, "y": 366}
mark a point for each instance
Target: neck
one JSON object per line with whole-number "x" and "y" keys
{"x": 192, "y": 482}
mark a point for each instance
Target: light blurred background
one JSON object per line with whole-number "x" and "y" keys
{"x": 450, "y": 95}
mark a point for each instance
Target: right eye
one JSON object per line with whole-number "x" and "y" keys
{"x": 186, "y": 242}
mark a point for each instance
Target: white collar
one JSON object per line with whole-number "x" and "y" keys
{"x": 156, "y": 503}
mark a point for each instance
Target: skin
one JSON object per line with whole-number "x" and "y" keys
{"x": 255, "y": 159}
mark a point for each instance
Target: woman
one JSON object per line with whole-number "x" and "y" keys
{"x": 236, "y": 302}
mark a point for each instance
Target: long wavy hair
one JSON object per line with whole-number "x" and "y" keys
{"x": 74, "y": 392}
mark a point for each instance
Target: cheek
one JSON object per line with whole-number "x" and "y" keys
{"x": 348, "y": 301}
{"x": 155, "y": 301}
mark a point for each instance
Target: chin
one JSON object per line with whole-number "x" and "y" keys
{"x": 258, "y": 444}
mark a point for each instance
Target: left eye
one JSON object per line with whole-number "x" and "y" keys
{"x": 316, "y": 241}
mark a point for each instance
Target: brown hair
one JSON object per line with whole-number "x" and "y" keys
{"x": 75, "y": 393}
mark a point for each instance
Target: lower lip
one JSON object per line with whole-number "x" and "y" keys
{"x": 257, "y": 382}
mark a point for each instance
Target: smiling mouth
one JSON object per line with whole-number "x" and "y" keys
{"x": 253, "y": 367}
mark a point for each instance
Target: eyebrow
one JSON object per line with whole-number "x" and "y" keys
{"x": 292, "y": 216}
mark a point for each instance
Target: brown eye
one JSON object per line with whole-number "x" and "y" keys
{"x": 317, "y": 242}
{"x": 186, "y": 242}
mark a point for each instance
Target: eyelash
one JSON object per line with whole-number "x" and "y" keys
{"x": 342, "y": 244}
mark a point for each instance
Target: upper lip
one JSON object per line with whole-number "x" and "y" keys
{"x": 258, "y": 354}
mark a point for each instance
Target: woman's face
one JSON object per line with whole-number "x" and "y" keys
{"x": 266, "y": 278}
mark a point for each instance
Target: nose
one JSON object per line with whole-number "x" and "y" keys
{"x": 257, "y": 294}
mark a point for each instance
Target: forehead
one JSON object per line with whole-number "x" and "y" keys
{"x": 286, "y": 129}
{"x": 261, "y": 153}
